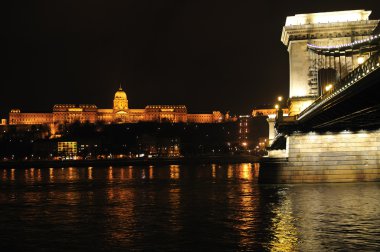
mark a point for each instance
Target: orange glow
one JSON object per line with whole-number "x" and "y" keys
{"x": 130, "y": 172}
{"x": 167, "y": 110}
{"x": 122, "y": 174}
{"x": 110, "y": 173}
{"x": 72, "y": 174}
{"x": 328, "y": 87}
{"x": 174, "y": 171}
{"x": 31, "y": 174}
{"x": 245, "y": 171}
{"x": 120, "y": 113}
{"x": 26, "y": 174}
{"x": 151, "y": 172}
{"x": 230, "y": 172}
{"x": 12, "y": 174}
{"x": 4, "y": 175}
{"x": 256, "y": 169}
{"x": 89, "y": 173}
{"x": 51, "y": 174}
{"x": 213, "y": 170}
{"x": 39, "y": 177}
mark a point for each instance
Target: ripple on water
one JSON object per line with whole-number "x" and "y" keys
{"x": 208, "y": 207}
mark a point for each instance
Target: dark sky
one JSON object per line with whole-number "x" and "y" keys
{"x": 223, "y": 55}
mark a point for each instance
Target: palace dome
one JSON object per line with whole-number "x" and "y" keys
{"x": 120, "y": 94}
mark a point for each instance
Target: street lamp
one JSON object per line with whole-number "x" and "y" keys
{"x": 328, "y": 87}
{"x": 361, "y": 60}
{"x": 279, "y": 98}
{"x": 276, "y": 106}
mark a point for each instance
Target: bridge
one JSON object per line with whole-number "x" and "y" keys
{"x": 332, "y": 131}
{"x": 351, "y": 102}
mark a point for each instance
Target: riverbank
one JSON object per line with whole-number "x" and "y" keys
{"x": 124, "y": 162}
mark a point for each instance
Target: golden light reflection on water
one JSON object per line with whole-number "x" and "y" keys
{"x": 283, "y": 227}
{"x": 175, "y": 204}
{"x": 110, "y": 194}
{"x": 130, "y": 172}
{"x": 121, "y": 216}
{"x": 243, "y": 200}
{"x": 4, "y": 175}
{"x": 245, "y": 171}
{"x": 151, "y": 172}
{"x": 174, "y": 171}
{"x": 242, "y": 171}
{"x": 70, "y": 174}
{"x": 213, "y": 169}
{"x": 256, "y": 169}
{"x": 122, "y": 173}
{"x": 89, "y": 173}
{"x": 246, "y": 213}
{"x": 230, "y": 171}
{"x": 12, "y": 174}
{"x": 29, "y": 175}
{"x": 51, "y": 174}
{"x": 39, "y": 177}
{"x": 31, "y": 172}
{"x": 110, "y": 173}
{"x": 268, "y": 217}
{"x": 72, "y": 197}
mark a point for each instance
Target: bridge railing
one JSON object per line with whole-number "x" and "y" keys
{"x": 358, "y": 73}
{"x": 370, "y": 65}
{"x": 373, "y": 41}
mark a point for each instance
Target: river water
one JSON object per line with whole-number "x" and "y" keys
{"x": 182, "y": 208}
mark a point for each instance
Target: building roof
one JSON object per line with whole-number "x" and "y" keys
{"x": 120, "y": 94}
{"x": 165, "y": 107}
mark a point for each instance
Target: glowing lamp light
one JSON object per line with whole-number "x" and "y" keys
{"x": 279, "y": 98}
{"x": 276, "y": 106}
{"x": 328, "y": 87}
{"x": 360, "y": 60}
{"x": 244, "y": 144}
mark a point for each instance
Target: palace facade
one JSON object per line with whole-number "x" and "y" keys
{"x": 120, "y": 113}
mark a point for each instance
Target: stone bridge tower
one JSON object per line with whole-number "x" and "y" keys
{"x": 322, "y": 29}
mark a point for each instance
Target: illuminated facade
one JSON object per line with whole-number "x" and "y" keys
{"x": 243, "y": 130}
{"x": 321, "y": 29}
{"x": 68, "y": 149}
{"x": 120, "y": 113}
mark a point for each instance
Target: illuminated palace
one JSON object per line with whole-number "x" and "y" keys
{"x": 120, "y": 113}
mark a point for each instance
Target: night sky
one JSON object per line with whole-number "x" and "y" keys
{"x": 207, "y": 55}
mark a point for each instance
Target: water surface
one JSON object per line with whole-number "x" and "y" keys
{"x": 182, "y": 208}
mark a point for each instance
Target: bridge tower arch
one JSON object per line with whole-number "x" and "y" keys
{"x": 322, "y": 29}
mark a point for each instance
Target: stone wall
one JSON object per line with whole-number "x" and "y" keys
{"x": 326, "y": 157}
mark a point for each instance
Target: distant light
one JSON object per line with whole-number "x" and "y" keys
{"x": 279, "y": 98}
{"x": 276, "y": 106}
